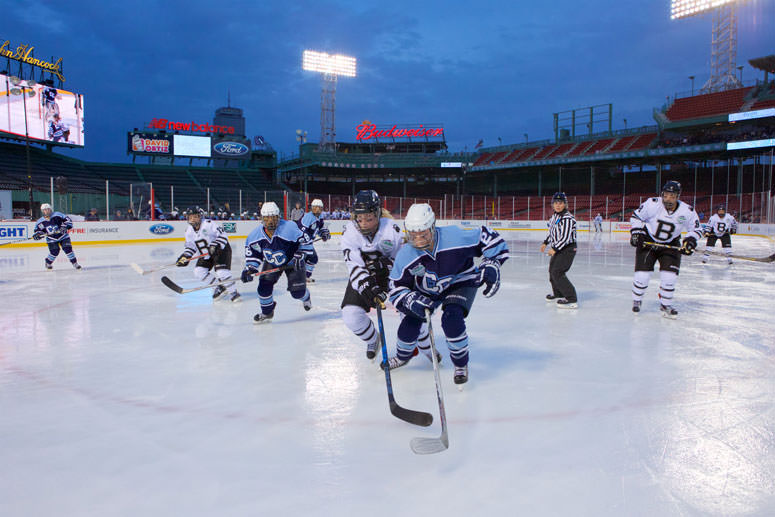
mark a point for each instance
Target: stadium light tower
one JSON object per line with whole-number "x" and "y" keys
{"x": 723, "y": 43}
{"x": 330, "y": 68}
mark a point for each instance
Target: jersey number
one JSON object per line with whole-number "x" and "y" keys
{"x": 664, "y": 230}
{"x": 201, "y": 245}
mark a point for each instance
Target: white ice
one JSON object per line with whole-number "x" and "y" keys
{"x": 120, "y": 397}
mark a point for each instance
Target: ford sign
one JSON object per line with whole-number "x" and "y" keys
{"x": 231, "y": 148}
{"x": 161, "y": 229}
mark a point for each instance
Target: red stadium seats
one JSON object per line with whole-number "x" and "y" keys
{"x": 706, "y": 105}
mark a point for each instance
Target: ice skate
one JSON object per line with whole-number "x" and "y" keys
{"x": 636, "y": 306}
{"x": 394, "y": 362}
{"x": 668, "y": 311}
{"x": 307, "y": 304}
{"x": 76, "y": 265}
{"x": 551, "y": 298}
{"x": 218, "y": 292}
{"x": 461, "y": 374}
{"x": 371, "y": 350}
{"x": 563, "y": 303}
{"x": 235, "y": 296}
{"x": 49, "y": 266}
{"x": 263, "y": 318}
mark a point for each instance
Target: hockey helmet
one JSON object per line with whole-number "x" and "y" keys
{"x": 420, "y": 223}
{"x": 270, "y": 215}
{"x": 367, "y": 202}
{"x": 44, "y": 207}
{"x": 672, "y": 186}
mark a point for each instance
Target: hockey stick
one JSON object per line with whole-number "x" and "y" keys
{"x": 180, "y": 290}
{"x": 771, "y": 258}
{"x": 407, "y": 415}
{"x": 142, "y": 271}
{"x": 422, "y": 445}
{"x": 16, "y": 242}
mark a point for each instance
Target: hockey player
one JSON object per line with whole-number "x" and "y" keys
{"x": 54, "y": 226}
{"x": 58, "y": 130}
{"x": 598, "y": 223}
{"x": 661, "y": 220}
{"x": 370, "y": 243}
{"x": 562, "y": 248}
{"x": 49, "y": 98}
{"x": 720, "y": 226}
{"x": 312, "y": 226}
{"x": 275, "y": 244}
{"x": 437, "y": 269}
{"x": 206, "y": 237}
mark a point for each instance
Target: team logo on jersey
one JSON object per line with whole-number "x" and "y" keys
{"x": 161, "y": 229}
{"x": 681, "y": 219}
{"x": 276, "y": 258}
{"x": 432, "y": 284}
{"x": 418, "y": 270}
{"x": 387, "y": 245}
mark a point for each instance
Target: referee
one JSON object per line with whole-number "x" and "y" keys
{"x": 562, "y": 248}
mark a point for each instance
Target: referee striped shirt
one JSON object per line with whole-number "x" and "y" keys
{"x": 562, "y": 230}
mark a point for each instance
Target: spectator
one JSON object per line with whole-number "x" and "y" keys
{"x": 130, "y": 215}
{"x": 297, "y": 213}
{"x": 119, "y": 216}
{"x": 92, "y": 215}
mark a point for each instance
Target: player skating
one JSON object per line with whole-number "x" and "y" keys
{"x": 437, "y": 269}
{"x": 58, "y": 130}
{"x": 720, "y": 226}
{"x": 312, "y": 226}
{"x": 370, "y": 243}
{"x": 49, "y": 98}
{"x": 562, "y": 248}
{"x": 275, "y": 244}
{"x": 598, "y": 223}
{"x": 55, "y": 226}
{"x": 206, "y": 237}
{"x": 661, "y": 220}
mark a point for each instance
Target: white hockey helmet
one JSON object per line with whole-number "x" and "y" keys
{"x": 419, "y": 217}
{"x": 270, "y": 209}
{"x": 317, "y": 202}
{"x": 46, "y": 206}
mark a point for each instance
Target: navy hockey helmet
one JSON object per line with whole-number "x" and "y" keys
{"x": 672, "y": 186}
{"x": 721, "y": 208}
{"x": 366, "y": 202}
{"x": 560, "y": 196}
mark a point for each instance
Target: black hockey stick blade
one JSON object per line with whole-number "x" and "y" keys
{"x": 172, "y": 285}
{"x": 407, "y": 415}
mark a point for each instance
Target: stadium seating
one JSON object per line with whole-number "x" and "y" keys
{"x": 708, "y": 104}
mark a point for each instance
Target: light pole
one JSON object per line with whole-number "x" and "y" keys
{"x": 625, "y": 124}
{"x": 24, "y": 89}
{"x": 691, "y": 78}
{"x": 525, "y": 137}
{"x": 330, "y": 67}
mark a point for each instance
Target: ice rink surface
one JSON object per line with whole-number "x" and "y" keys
{"x": 121, "y": 397}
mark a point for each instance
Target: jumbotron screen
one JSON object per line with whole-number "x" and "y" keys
{"x": 52, "y": 115}
{"x": 685, "y": 8}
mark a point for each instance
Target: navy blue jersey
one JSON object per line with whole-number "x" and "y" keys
{"x": 55, "y": 227}
{"x": 56, "y": 130}
{"x": 49, "y": 95}
{"x": 450, "y": 263}
{"x": 278, "y": 249}
{"x": 310, "y": 226}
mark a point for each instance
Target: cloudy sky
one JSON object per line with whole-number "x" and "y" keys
{"x": 484, "y": 69}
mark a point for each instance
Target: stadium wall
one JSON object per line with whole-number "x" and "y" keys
{"x": 145, "y": 232}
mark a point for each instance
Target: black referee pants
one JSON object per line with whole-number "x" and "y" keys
{"x": 559, "y": 264}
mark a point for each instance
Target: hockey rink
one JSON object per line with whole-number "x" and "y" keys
{"x": 119, "y": 397}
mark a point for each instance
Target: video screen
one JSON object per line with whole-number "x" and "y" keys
{"x": 52, "y": 114}
{"x": 194, "y": 146}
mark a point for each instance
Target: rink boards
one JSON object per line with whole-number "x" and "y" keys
{"x": 143, "y": 232}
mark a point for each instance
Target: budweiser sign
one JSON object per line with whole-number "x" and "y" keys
{"x": 163, "y": 123}
{"x": 367, "y": 131}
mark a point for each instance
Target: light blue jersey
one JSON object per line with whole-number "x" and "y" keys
{"x": 310, "y": 225}
{"x": 55, "y": 228}
{"x": 276, "y": 250}
{"x": 450, "y": 263}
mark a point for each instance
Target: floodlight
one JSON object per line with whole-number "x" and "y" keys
{"x": 686, "y": 8}
{"x": 335, "y": 64}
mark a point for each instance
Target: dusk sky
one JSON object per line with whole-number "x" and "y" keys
{"x": 484, "y": 70}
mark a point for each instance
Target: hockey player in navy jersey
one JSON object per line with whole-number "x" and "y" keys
{"x": 312, "y": 226}
{"x": 437, "y": 269}
{"x": 54, "y": 227}
{"x": 275, "y": 244}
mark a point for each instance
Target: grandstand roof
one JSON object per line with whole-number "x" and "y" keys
{"x": 766, "y": 63}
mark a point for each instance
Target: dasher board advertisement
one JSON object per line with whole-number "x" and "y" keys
{"x": 41, "y": 112}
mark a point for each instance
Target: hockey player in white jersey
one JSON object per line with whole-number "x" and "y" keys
{"x": 370, "y": 243}
{"x": 206, "y": 237}
{"x": 661, "y": 221}
{"x": 720, "y": 226}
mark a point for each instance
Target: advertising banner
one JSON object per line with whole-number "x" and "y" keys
{"x": 191, "y": 146}
{"x": 148, "y": 143}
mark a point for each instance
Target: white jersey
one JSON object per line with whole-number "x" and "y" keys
{"x": 197, "y": 241}
{"x": 364, "y": 256}
{"x": 663, "y": 226}
{"x": 721, "y": 225}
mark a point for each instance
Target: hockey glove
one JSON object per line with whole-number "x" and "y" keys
{"x": 325, "y": 234}
{"x": 689, "y": 245}
{"x": 297, "y": 262}
{"x": 37, "y": 236}
{"x": 182, "y": 261}
{"x": 733, "y": 230}
{"x": 490, "y": 276}
{"x": 248, "y": 273}
{"x": 371, "y": 291}
{"x": 416, "y": 304}
{"x": 637, "y": 238}
{"x": 214, "y": 250}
